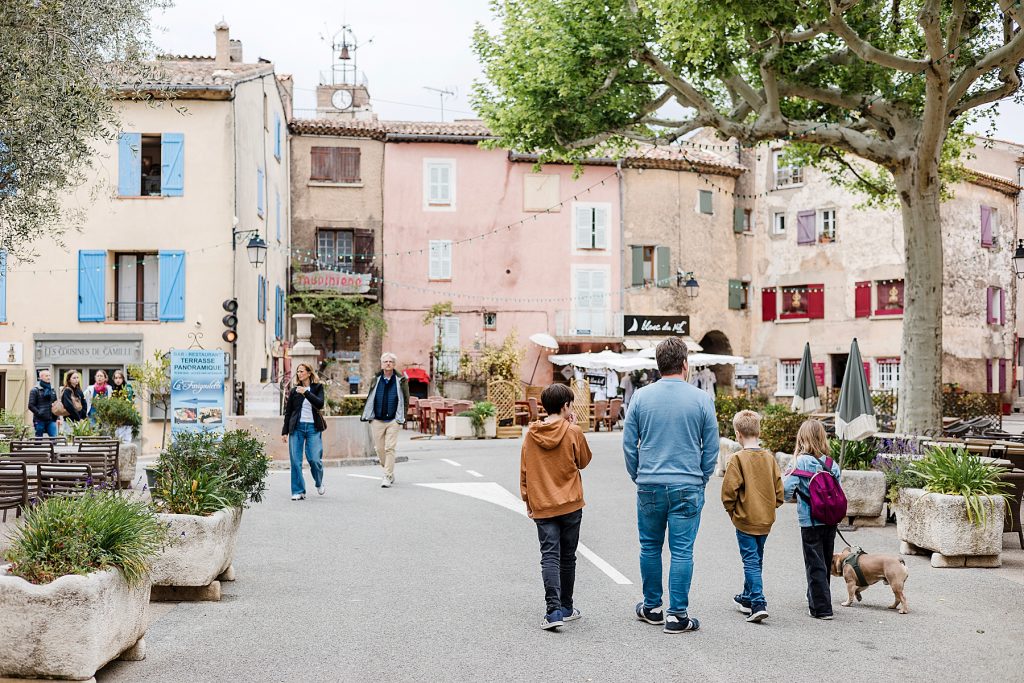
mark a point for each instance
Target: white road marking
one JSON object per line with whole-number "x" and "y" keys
{"x": 499, "y": 495}
{"x": 451, "y": 462}
{"x": 474, "y": 473}
{"x": 363, "y": 476}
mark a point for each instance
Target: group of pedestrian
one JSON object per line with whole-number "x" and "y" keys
{"x": 72, "y": 403}
{"x": 671, "y": 444}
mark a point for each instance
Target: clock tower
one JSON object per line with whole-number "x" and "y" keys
{"x": 344, "y": 92}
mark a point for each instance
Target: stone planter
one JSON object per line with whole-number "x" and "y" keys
{"x": 726, "y": 449}
{"x": 71, "y": 627}
{"x": 938, "y": 523}
{"x": 456, "y": 427}
{"x": 127, "y": 458}
{"x": 202, "y": 550}
{"x": 865, "y": 496}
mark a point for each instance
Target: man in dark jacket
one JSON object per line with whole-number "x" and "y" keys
{"x": 385, "y": 411}
{"x": 40, "y": 402}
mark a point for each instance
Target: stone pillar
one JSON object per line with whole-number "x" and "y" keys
{"x": 303, "y": 351}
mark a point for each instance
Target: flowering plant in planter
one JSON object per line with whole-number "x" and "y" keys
{"x": 956, "y": 472}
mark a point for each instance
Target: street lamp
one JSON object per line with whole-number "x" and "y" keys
{"x": 687, "y": 281}
{"x": 1018, "y": 260}
{"x": 257, "y": 248}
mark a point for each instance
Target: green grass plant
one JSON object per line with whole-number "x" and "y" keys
{"x": 956, "y": 472}
{"x": 859, "y": 454}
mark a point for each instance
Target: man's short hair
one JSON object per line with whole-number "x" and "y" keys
{"x": 671, "y": 355}
{"x": 387, "y": 355}
{"x": 747, "y": 423}
{"x": 555, "y": 397}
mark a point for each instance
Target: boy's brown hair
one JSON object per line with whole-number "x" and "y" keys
{"x": 747, "y": 423}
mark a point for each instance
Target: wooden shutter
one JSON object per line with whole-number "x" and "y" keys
{"x": 362, "y": 245}
{"x": 172, "y": 164}
{"x": 320, "y": 163}
{"x": 278, "y": 295}
{"x": 862, "y": 299}
{"x": 988, "y": 376}
{"x": 805, "y": 233}
{"x": 769, "y": 307}
{"x": 261, "y": 299}
{"x": 1002, "y": 306}
{"x": 735, "y": 294}
{"x": 738, "y": 216}
{"x": 662, "y": 262}
{"x": 435, "y": 260}
{"x": 705, "y": 202}
{"x": 819, "y": 373}
{"x": 172, "y": 285}
{"x": 636, "y": 265}
{"x": 988, "y": 305}
{"x": 1002, "y": 375}
{"x": 601, "y": 227}
{"x": 129, "y": 164}
{"x": 348, "y": 164}
{"x": 816, "y": 301}
{"x": 92, "y": 266}
{"x": 986, "y": 226}
{"x": 584, "y": 227}
{"x": 867, "y": 373}
{"x": 3, "y": 286}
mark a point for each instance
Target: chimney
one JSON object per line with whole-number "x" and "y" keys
{"x": 236, "y": 51}
{"x": 223, "y": 41}
{"x": 287, "y": 87}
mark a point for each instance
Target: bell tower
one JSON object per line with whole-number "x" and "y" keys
{"x": 344, "y": 92}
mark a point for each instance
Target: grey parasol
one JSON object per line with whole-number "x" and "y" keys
{"x": 855, "y": 414}
{"x": 805, "y": 398}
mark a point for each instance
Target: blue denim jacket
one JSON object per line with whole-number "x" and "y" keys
{"x": 807, "y": 463}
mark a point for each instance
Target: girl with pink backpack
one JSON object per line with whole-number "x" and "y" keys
{"x": 821, "y": 505}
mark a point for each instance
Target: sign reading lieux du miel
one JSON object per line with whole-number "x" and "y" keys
{"x": 332, "y": 281}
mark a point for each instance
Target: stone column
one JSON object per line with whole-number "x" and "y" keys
{"x": 303, "y": 351}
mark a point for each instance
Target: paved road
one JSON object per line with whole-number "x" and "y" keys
{"x": 424, "y": 584}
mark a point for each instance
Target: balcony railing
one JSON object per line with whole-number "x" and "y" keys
{"x": 588, "y": 322}
{"x": 133, "y": 311}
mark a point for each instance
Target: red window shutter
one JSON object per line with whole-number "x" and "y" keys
{"x": 862, "y": 299}
{"x": 816, "y": 301}
{"x": 768, "y": 306}
{"x": 1002, "y": 375}
{"x": 867, "y": 373}
{"x": 819, "y": 373}
{"x": 988, "y": 376}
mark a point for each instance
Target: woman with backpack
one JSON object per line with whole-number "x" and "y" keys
{"x": 814, "y": 479}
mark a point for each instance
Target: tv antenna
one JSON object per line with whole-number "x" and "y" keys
{"x": 442, "y": 93}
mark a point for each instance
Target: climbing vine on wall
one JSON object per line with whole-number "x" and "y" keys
{"x": 337, "y": 313}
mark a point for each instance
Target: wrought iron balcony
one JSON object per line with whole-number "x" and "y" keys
{"x": 133, "y": 311}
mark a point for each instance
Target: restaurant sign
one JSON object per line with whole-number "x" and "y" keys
{"x": 656, "y": 325}
{"x": 332, "y": 281}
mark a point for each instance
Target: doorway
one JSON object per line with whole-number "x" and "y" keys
{"x": 839, "y": 361}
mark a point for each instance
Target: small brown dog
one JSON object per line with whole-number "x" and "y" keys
{"x": 889, "y": 569}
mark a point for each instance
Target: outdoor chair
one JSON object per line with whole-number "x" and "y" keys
{"x": 411, "y": 412}
{"x": 32, "y": 451}
{"x": 614, "y": 410}
{"x": 600, "y": 414}
{"x": 1012, "y": 521}
{"x": 13, "y": 487}
{"x": 534, "y": 410}
{"x": 7, "y": 431}
{"x": 60, "y": 440}
{"x": 63, "y": 479}
{"x": 101, "y": 458}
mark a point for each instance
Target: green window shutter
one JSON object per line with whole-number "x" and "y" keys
{"x": 638, "y": 265}
{"x": 661, "y": 264}
{"x": 705, "y": 202}
{"x": 735, "y": 294}
{"x": 738, "y": 214}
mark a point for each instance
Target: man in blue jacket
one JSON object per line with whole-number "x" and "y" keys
{"x": 670, "y": 441}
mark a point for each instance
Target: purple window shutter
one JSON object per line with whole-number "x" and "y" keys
{"x": 988, "y": 376}
{"x": 805, "y": 228}
{"x": 1002, "y": 306}
{"x": 1002, "y": 375}
{"x": 988, "y": 305}
{"x": 986, "y": 226}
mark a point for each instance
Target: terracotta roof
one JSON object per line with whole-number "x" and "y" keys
{"x": 994, "y": 182}
{"x": 467, "y": 129}
{"x": 668, "y": 158}
{"x": 193, "y": 76}
{"x": 350, "y": 128}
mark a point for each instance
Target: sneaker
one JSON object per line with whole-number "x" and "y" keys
{"x": 570, "y": 614}
{"x": 320, "y": 490}
{"x": 651, "y": 616}
{"x": 758, "y": 615}
{"x": 680, "y": 623}
{"x": 823, "y": 617}
{"x": 298, "y": 496}
{"x": 741, "y": 604}
{"x": 552, "y": 620}
{"x": 385, "y": 483}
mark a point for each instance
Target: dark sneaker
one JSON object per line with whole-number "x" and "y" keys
{"x": 570, "y": 614}
{"x": 758, "y": 615}
{"x": 823, "y": 617}
{"x": 552, "y": 620}
{"x": 651, "y": 616}
{"x": 680, "y": 623}
{"x": 741, "y": 604}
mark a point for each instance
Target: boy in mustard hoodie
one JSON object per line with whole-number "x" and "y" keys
{"x": 751, "y": 491}
{"x": 554, "y": 452}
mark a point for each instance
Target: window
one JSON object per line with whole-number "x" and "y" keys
{"x": 803, "y": 301}
{"x": 158, "y": 295}
{"x": 805, "y": 231}
{"x": 650, "y": 265}
{"x": 334, "y": 249}
{"x": 447, "y": 337}
{"x": 787, "y": 376}
{"x": 862, "y": 299}
{"x": 741, "y": 220}
{"x": 890, "y": 297}
{"x": 739, "y": 295}
{"x": 439, "y": 183}
{"x": 748, "y": 220}
{"x": 151, "y": 165}
{"x": 136, "y": 287}
{"x": 490, "y": 321}
{"x": 996, "y": 305}
{"x": 888, "y": 373}
{"x": 989, "y": 227}
{"x": 779, "y": 223}
{"x": 704, "y": 202}
{"x": 440, "y": 260}
{"x": 785, "y": 176}
{"x": 827, "y": 225}
{"x": 591, "y": 225}
{"x": 335, "y": 164}
{"x": 590, "y": 297}
{"x": 261, "y": 299}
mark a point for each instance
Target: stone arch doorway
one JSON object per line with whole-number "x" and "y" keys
{"x": 716, "y": 342}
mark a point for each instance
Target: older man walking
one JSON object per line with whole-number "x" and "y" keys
{"x": 385, "y": 411}
{"x": 670, "y": 441}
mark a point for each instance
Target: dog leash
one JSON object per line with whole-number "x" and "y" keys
{"x": 843, "y": 537}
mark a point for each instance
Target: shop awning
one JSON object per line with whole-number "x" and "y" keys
{"x": 638, "y": 344}
{"x": 418, "y": 374}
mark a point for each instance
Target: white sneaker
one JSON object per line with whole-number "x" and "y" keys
{"x": 320, "y": 490}
{"x": 298, "y": 496}
{"x": 385, "y": 482}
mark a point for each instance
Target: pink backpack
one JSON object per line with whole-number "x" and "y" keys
{"x": 826, "y": 500}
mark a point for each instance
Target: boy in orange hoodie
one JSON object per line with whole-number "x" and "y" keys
{"x": 751, "y": 491}
{"x": 554, "y": 452}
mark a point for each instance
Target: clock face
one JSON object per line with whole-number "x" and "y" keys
{"x": 341, "y": 99}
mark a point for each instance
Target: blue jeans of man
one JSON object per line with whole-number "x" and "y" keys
{"x": 752, "y": 554}
{"x": 305, "y": 437}
{"x": 47, "y": 428}
{"x": 677, "y": 509}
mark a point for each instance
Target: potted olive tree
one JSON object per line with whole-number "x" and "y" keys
{"x": 76, "y": 592}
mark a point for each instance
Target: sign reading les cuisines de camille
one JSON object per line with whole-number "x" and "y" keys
{"x": 332, "y": 281}
{"x": 655, "y": 325}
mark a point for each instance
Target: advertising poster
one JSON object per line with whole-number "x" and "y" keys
{"x": 197, "y": 391}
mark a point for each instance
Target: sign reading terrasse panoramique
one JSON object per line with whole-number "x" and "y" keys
{"x": 197, "y": 391}
{"x": 332, "y": 281}
{"x": 655, "y": 325}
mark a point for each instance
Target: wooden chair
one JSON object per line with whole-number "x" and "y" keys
{"x": 60, "y": 440}
{"x": 600, "y": 414}
{"x": 63, "y": 479}
{"x": 7, "y": 431}
{"x": 13, "y": 487}
{"x": 534, "y": 410}
{"x": 411, "y": 412}
{"x": 614, "y": 409}
{"x": 101, "y": 457}
{"x": 1012, "y": 521}
{"x": 32, "y": 451}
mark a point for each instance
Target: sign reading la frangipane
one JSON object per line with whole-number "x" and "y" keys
{"x": 197, "y": 391}
{"x": 655, "y": 325}
{"x": 332, "y": 281}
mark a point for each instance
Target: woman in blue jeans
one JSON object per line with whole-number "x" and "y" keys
{"x": 302, "y": 426}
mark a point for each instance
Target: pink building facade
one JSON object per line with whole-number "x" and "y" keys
{"x": 508, "y": 247}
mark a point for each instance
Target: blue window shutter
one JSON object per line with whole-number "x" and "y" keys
{"x": 261, "y": 301}
{"x": 129, "y": 164}
{"x": 3, "y": 286}
{"x": 278, "y": 295}
{"x": 172, "y": 164}
{"x": 92, "y": 280}
{"x": 259, "y": 192}
{"x": 277, "y": 136}
{"x": 172, "y": 285}
{"x": 277, "y": 204}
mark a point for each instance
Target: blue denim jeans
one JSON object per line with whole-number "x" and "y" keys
{"x": 46, "y": 428}
{"x": 676, "y": 508}
{"x": 752, "y": 553}
{"x": 305, "y": 435}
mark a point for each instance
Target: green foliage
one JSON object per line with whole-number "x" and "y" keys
{"x": 956, "y": 472}
{"x": 479, "y": 414}
{"x": 348, "y": 405}
{"x": 13, "y": 419}
{"x": 899, "y": 475}
{"x": 859, "y": 454}
{"x": 153, "y": 380}
{"x": 83, "y": 428}
{"x": 115, "y": 412}
{"x": 500, "y": 362}
{"x": 727, "y": 406}
{"x": 82, "y": 534}
{"x": 779, "y": 426}
{"x": 338, "y": 313}
{"x": 438, "y": 310}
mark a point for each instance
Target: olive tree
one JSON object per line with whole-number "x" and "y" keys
{"x": 891, "y": 83}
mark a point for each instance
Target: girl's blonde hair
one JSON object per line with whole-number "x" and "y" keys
{"x": 313, "y": 377}
{"x": 812, "y": 439}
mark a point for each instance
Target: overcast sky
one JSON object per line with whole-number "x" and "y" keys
{"x": 407, "y": 46}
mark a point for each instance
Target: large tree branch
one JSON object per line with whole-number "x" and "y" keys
{"x": 864, "y": 49}
{"x": 933, "y": 118}
{"x": 1008, "y": 56}
{"x": 875, "y": 187}
{"x": 745, "y": 90}
{"x": 955, "y": 25}
{"x": 1012, "y": 8}
{"x": 771, "y": 83}
{"x": 1011, "y": 82}
{"x": 608, "y": 81}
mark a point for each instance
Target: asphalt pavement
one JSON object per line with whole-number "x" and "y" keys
{"x": 438, "y": 579}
